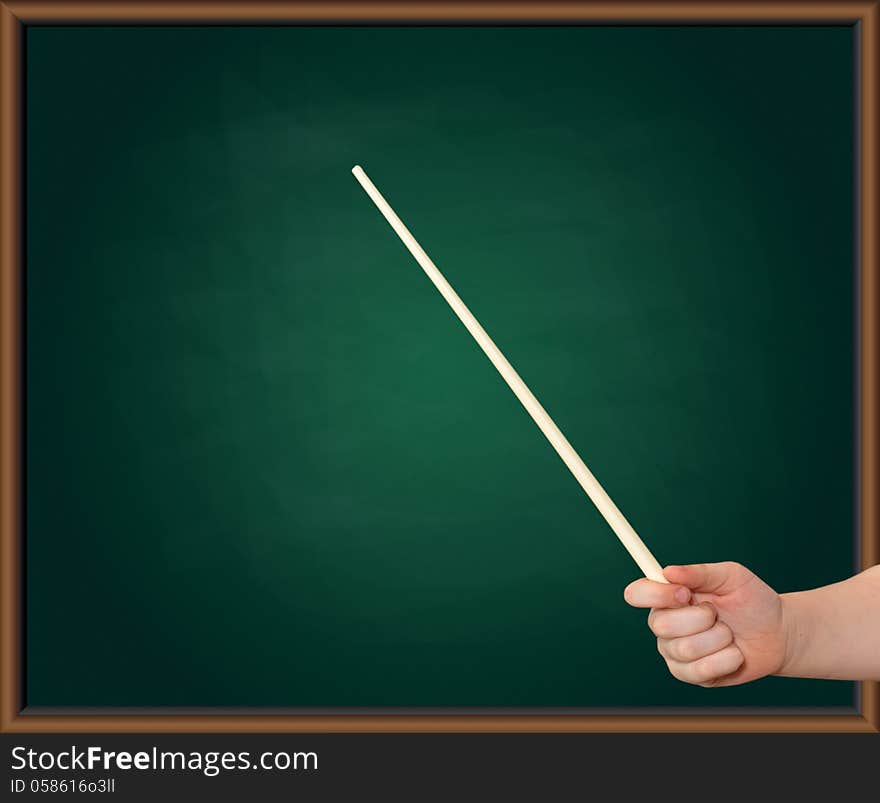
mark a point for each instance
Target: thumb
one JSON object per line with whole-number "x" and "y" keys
{"x": 712, "y": 578}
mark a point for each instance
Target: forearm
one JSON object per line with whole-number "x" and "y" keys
{"x": 834, "y": 631}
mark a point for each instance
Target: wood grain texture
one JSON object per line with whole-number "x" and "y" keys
{"x": 441, "y": 723}
{"x": 10, "y": 371}
{"x": 61, "y": 11}
{"x": 870, "y": 308}
{"x": 13, "y": 17}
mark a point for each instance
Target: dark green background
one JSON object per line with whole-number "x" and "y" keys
{"x": 267, "y": 466}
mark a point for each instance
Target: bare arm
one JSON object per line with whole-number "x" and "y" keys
{"x": 834, "y": 631}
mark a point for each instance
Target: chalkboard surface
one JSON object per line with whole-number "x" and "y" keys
{"x": 266, "y": 466}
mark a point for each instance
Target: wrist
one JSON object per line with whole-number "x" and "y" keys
{"x": 794, "y": 635}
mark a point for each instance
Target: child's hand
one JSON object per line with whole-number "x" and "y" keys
{"x": 717, "y": 624}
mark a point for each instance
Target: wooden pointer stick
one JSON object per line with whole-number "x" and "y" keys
{"x": 622, "y": 528}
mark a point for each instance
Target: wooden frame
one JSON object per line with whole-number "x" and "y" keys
{"x": 15, "y": 16}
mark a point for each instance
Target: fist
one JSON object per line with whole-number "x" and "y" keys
{"x": 717, "y": 624}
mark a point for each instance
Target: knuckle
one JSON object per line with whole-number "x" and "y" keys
{"x": 710, "y": 613}
{"x": 685, "y": 675}
{"x": 655, "y": 622}
{"x": 703, "y": 671}
{"x": 661, "y": 627}
{"x": 686, "y": 649}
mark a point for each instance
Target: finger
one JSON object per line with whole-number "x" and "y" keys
{"x": 680, "y": 622}
{"x": 692, "y": 648}
{"x": 709, "y": 669}
{"x": 713, "y": 578}
{"x": 646, "y": 593}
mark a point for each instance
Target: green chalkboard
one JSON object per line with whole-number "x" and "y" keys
{"x": 266, "y": 466}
